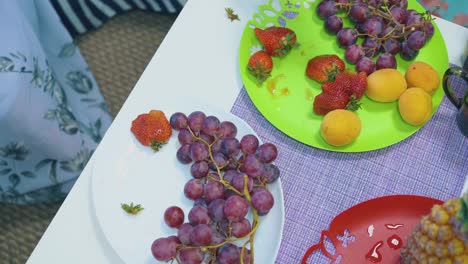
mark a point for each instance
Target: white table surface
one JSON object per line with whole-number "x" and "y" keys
{"x": 198, "y": 58}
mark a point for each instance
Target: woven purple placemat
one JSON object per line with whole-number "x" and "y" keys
{"x": 320, "y": 184}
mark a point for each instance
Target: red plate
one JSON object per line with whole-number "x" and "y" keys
{"x": 373, "y": 231}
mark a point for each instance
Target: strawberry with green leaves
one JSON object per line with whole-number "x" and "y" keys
{"x": 323, "y": 68}
{"x": 277, "y": 41}
{"x": 260, "y": 65}
{"x": 343, "y": 93}
{"x": 152, "y": 129}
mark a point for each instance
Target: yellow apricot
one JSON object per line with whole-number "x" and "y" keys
{"x": 385, "y": 85}
{"x": 415, "y": 106}
{"x": 422, "y": 75}
{"x": 340, "y": 127}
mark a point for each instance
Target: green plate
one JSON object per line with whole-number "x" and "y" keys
{"x": 286, "y": 98}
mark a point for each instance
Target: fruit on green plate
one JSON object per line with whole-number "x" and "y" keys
{"x": 340, "y": 127}
{"x": 415, "y": 106}
{"x": 385, "y": 85}
{"x": 286, "y": 98}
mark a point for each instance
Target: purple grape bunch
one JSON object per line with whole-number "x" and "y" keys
{"x": 230, "y": 177}
{"x": 388, "y": 28}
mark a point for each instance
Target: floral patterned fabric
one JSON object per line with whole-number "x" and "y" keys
{"x": 452, "y": 10}
{"x": 52, "y": 114}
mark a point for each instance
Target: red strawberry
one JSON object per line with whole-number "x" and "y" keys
{"x": 343, "y": 93}
{"x": 323, "y": 68}
{"x": 359, "y": 84}
{"x": 347, "y": 82}
{"x": 152, "y": 129}
{"x": 260, "y": 65}
{"x": 277, "y": 41}
{"x": 325, "y": 103}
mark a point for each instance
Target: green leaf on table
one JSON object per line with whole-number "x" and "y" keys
{"x": 231, "y": 15}
{"x": 131, "y": 208}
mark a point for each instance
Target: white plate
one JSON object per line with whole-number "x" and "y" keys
{"x": 125, "y": 171}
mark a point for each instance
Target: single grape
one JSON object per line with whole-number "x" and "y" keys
{"x": 220, "y": 160}
{"x": 333, "y": 24}
{"x": 416, "y": 40}
{"x": 413, "y": 21}
{"x": 391, "y": 45}
{"x": 238, "y": 182}
{"x": 227, "y": 129}
{"x": 178, "y": 121}
{"x": 174, "y": 216}
{"x": 428, "y": 29}
{"x": 359, "y": 13}
{"x": 164, "y": 249}
{"x": 190, "y": 256}
{"x": 271, "y": 173}
{"x": 195, "y": 121}
{"x": 386, "y": 60}
{"x": 235, "y": 208}
{"x": 241, "y": 228}
{"x": 249, "y": 144}
{"x": 359, "y": 27}
{"x": 230, "y": 147}
{"x": 366, "y": 65}
{"x": 371, "y": 46}
{"x": 253, "y": 166}
{"x": 216, "y": 146}
{"x": 185, "y": 137}
{"x": 198, "y": 215}
{"x": 216, "y": 210}
{"x": 213, "y": 190}
{"x": 354, "y": 53}
{"x": 228, "y": 254}
{"x": 326, "y": 8}
{"x": 406, "y": 53}
{"x": 346, "y": 37}
{"x": 267, "y": 152}
{"x": 184, "y": 233}
{"x": 183, "y": 154}
{"x": 262, "y": 200}
{"x": 229, "y": 175}
{"x": 199, "y": 169}
{"x": 210, "y": 125}
{"x": 198, "y": 151}
{"x": 373, "y": 26}
{"x": 398, "y": 13}
{"x": 194, "y": 189}
{"x": 201, "y": 235}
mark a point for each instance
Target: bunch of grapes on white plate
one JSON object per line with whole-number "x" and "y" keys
{"x": 229, "y": 179}
{"x": 386, "y": 28}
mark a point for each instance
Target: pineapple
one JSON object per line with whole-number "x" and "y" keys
{"x": 441, "y": 237}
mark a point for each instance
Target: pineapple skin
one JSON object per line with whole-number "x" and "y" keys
{"x": 438, "y": 238}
